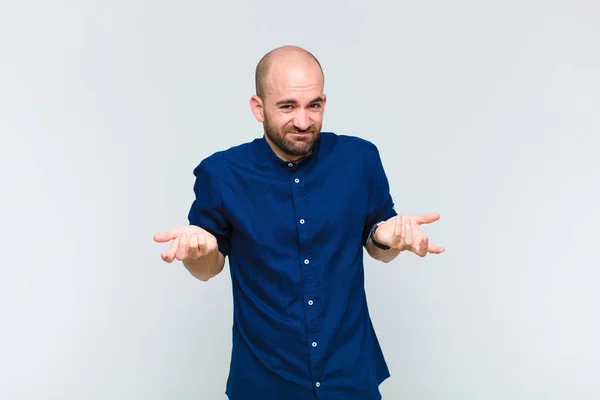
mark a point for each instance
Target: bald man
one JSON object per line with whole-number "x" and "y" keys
{"x": 293, "y": 210}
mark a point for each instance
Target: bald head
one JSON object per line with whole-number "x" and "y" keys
{"x": 289, "y": 101}
{"x": 282, "y": 58}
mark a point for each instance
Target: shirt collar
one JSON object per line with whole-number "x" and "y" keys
{"x": 266, "y": 155}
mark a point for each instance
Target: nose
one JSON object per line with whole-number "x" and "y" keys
{"x": 301, "y": 120}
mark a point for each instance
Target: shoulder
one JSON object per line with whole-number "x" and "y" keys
{"x": 353, "y": 146}
{"x": 219, "y": 162}
{"x": 356, "y": 152}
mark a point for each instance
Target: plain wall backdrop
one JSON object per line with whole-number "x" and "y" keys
{"x": 484, "y": 111}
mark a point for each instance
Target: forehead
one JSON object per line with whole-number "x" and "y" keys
{"x": 294, "y": 79}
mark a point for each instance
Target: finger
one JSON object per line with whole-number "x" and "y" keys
{"x": 427, "y": 218}
{"x": 435, "y": 249}
{"x": 398, "y": 225}
{"x": 397, "y": 229}
{"x": 165, "y": 236}
{"x": 408, "y": 232}
{"x": 402, "y": 223}
{"x": 419, "y": 247}
{"x": 193, "y": 250}
{"x": 202, "y": 246}
{"x": 423, "y": 246}
{"x": 169, "y": 256}
{"x": 182, "y": 249}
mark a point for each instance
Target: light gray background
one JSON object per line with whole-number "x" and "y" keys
{"x": 485, "y": 111}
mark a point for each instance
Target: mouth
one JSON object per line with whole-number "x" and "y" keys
{"x": 300, "y": 133}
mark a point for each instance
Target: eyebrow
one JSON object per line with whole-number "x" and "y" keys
{"x": 292, "y": 101}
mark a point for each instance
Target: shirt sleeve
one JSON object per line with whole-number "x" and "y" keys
{"x": 381, "y": 204}
{"x": 207, "y": 210}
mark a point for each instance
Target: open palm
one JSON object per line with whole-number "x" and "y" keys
{"x": 403, "y": 232}
{"x": 188, "y": 241}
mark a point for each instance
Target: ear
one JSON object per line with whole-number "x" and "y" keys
{"x": 257, "y": 107}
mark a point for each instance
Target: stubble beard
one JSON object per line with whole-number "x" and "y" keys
{"x": 297, "y": 147}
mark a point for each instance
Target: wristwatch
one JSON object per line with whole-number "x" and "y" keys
{"x": 372, "y": 237}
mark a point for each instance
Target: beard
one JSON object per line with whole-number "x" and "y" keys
{"x": 297, "y": 146}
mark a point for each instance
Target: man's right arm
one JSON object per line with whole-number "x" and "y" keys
{"x": 203, "y": 245}
{"x": 196, "y": 248}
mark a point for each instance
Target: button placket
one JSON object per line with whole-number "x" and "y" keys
{"x": 307, "y": 259}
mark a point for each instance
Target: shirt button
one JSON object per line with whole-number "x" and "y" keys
{"x": 310, "y": 303}
{"x": 318, "y": 384}
{"x": 290, "y": 165}
{"x": 296, "y": 180}
{"x": 302, "y": 221}
{"x": 306, "y": 261}
{"x": 314, "y": 344}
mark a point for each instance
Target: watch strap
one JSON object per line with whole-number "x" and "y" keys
{"x": 372, "y": 237}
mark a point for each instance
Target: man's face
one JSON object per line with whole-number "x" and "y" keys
{"x": 292, "y": 109}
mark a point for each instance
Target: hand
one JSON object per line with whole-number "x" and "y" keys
{"x": 403, "y": 233}
{"x": 188, "y": 242}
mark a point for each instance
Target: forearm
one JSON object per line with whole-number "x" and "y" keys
{"x": 206, "y": 267}
{"x": 379, "y": 254}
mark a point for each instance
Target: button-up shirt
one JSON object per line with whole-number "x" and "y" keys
{"x": 294, "y": 235}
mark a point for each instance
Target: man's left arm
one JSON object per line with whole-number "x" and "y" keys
{"x": 383, "y": 255}
{"x": 385, "y": 233}
{"x": 401, "y": 233}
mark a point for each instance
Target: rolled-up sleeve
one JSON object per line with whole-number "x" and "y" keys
{"x": 207, "y": 210}
{"x": 381, "y": 204}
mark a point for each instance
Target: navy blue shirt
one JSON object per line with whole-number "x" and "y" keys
{"x": 294, "y": 234}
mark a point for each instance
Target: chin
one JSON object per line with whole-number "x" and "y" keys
{"x": 302, "y": 151}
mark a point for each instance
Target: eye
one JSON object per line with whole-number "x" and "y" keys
{"x": 316, "y": 105}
